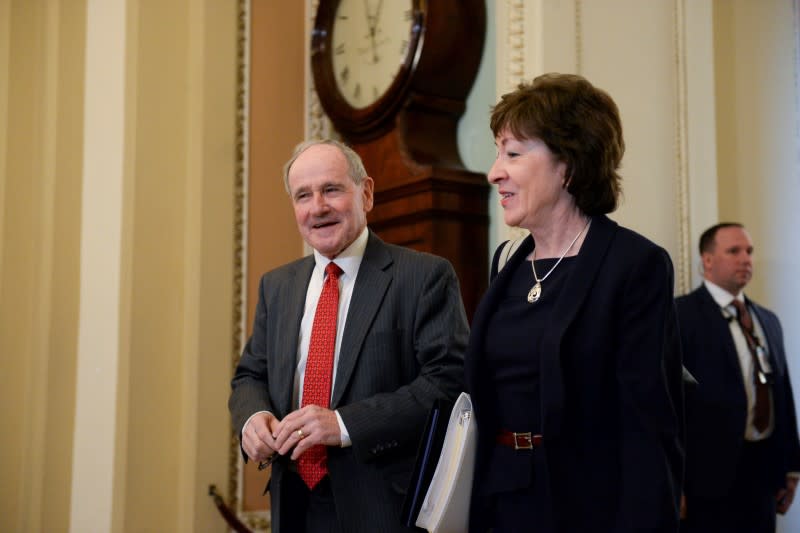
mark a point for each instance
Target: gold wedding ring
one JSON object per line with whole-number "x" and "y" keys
{"x": 300, "y": 433}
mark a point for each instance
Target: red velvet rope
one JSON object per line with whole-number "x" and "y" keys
{"x": 227, "y": 513}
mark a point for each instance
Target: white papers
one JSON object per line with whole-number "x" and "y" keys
{"x": 446, "y": 505}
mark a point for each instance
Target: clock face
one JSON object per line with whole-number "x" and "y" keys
{"x": 370, "y": 42}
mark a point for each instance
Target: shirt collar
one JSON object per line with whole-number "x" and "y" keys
{"x": 721, "y": 296}
{"x": 350, "y": 258}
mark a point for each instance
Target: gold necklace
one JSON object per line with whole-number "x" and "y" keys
{"x": 536, "y": 291}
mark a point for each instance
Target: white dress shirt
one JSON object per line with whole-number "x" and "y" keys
{"x": 725, "y": 301}
{"x": 349, "y": 261}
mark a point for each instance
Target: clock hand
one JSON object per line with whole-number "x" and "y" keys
{"x": 372, "y": 22}
{"x": 370, "y": 17}
{"x": 373, "y": 30}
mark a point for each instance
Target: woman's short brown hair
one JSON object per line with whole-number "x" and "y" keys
{"x": 580, "y": 124}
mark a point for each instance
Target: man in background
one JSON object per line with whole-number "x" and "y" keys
{"x": 350, "y": 348}
{"x": 742, "y": 443}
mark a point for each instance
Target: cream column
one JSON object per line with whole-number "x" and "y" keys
{"x": 697, "y": 134}
{"x": 41, "y": 81}
{"x": 117, "y": 165}
{"x": 208, "y": 266}
{"x": 99, "y": 454}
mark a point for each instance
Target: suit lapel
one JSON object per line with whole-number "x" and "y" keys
{"x": 721, "y": 329}
{"x": 591, "y": 256}
{"x": 292, "y": 300}
{"x": 588, "y": 261}
{"x": 486, "y": 308}
{"x": 371, "y": 284}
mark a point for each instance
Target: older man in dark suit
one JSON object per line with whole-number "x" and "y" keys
{"x": 742, "y": 443}
{"x": 339, "y": 404}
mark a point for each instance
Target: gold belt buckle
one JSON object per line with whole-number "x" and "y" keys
{"x": 523, "y": 441}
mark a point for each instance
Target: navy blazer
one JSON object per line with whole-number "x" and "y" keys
{"x": 401, "y": 349}
{"x": 612, "y": 398}
{"x": 716, "y": 411}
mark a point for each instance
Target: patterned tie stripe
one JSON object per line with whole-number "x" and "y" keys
{"x": 313, "y": 464}
{"x": 762, "y": 414}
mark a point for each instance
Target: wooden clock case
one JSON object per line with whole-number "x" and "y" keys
{"x": 424, "y": 197}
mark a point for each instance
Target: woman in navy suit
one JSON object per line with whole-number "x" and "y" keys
{"x": 574, "y": 361}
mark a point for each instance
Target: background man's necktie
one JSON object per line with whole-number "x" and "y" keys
{"x": 762, "y": 414}
{"x": 313, "y": 464}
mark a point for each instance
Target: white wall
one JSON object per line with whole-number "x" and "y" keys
{"x": 648, "y": 57}
{"x": 759, "y": 180}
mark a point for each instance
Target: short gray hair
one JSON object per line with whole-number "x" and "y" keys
{"x": 355, "y": 167}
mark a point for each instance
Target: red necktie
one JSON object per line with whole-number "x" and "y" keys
{"x": 762, "y": 414}
{"x": 313, "y": 464}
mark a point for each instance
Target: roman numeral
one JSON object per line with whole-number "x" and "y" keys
{"x": 339, "y": 50}
{"x": 345, "y": 74}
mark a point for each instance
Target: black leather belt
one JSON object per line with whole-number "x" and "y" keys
{"x": 519, "y": 441}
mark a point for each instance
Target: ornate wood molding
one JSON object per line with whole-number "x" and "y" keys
{"x": 578, "y": 36}
{"x": 256, "y": 521}
{"x": 683, "y": 261}
{"x": 515, "y": 60}
{"x": 317, "y": 124}
{"x": 239, "y": 241}
{"x": 510, "y": 57}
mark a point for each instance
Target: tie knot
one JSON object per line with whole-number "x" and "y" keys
{"x": 333, "y": 270}
{"x": 743, "y": 315}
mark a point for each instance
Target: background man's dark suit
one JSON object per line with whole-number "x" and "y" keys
{"x": 612, "y": 400}
{"x": 716, "y": 410}
{"x": 402, "y": 347}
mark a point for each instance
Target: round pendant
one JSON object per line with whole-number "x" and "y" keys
{"x": 535, "y": 293}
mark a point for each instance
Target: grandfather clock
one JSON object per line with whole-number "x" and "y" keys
{"x": 393, "y": 77}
